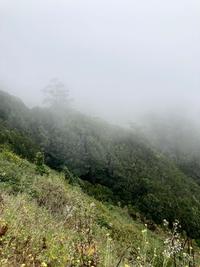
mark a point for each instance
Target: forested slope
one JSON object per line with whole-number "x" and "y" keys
{"x": 177, "y": 137}
{"x": 133, "y": 173}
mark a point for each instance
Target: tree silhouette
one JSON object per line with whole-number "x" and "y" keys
{"x": 56, "y": 95}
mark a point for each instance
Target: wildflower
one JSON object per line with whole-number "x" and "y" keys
{"x": 166, "y": 254}
{"x": 92, "y": 205}
{"x": 144, "y": 231}
{"x": 43, "y": 264}
{"x": 91, "y": 251}
{"x": 155, "y": 253}
{"x": 165, "y": 223}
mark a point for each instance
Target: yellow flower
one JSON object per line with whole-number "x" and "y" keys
{"x": 144, "y": 231}
{"x": 43, "y": 264}
{"x": 91, "y": 251}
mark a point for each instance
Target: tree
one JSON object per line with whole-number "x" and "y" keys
{"x": 57, "y": 95}
{"x": 70, "y": 177}
{"x": 39, "y": 162}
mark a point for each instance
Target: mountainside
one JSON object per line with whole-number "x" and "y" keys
{"x": 128, "y": 169}
{"x": 177, "y": 137}
{"x": 45, "y": 221}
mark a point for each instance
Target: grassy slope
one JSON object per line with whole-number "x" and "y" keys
{"x": 106, "y": 155}
{"x": 44, "y": 221}
{"x": 48, "y": 220}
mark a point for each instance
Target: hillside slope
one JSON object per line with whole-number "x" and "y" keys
{"x": 45, "y": 221}
{"x": 178, "y": 137}
{"x": 132, "y": 171}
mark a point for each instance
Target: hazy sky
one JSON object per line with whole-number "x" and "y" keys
{"x": 117, "y": 57}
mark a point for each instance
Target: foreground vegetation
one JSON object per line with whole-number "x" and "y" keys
{"x": 46, "y": 221}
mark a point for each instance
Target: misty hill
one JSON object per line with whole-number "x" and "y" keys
{"x": 119, "y": 165}
{"x": 177, "y": 137}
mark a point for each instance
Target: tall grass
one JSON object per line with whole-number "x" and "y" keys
{"x": 46, "y": 222}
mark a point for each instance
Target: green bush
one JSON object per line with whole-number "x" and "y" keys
{"x": 40, "y": 166}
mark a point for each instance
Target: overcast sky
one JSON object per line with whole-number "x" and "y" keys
{"x": 117, "y": 57}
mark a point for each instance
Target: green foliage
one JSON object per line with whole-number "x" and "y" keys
{"x": 119, "y": 166}
{"x": 18, "y": 142}
{"x": 99, "y": 192}
{"x": 70, "y": 177}
{"x": 48, "y": 222}
{"x": 39, "y": 162}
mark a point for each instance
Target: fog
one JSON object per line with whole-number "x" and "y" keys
{"x": 119, "y": 58}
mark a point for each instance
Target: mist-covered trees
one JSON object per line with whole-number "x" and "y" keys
{"x": 56, "y": 95}
{"x": 115, "y": 158}
{"x": 178, "y": 137}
